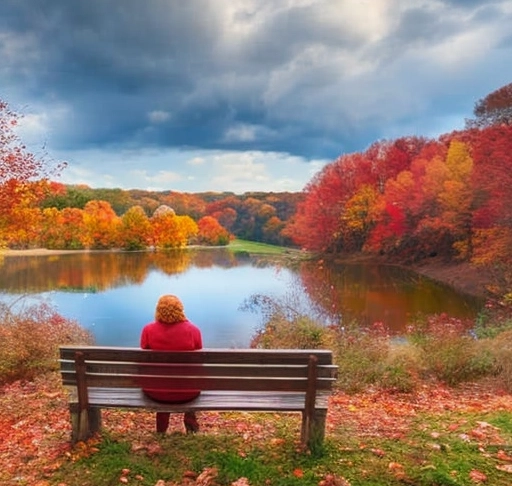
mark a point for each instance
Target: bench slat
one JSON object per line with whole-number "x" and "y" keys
{"x": 208, "y": 400}
{"x": 224, "y": 356}
{"x": 200, "y": 382}
{"x": 193, "y": 369}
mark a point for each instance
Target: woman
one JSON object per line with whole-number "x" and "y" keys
{"x": 172, "y": 331}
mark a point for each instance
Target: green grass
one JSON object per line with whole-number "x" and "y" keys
{"x": 253, "y": 247}
{"x": 438, "y": 449}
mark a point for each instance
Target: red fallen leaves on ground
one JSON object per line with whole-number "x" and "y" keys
{"x": 477, "y": 476}
{"x": 35, "y": 428}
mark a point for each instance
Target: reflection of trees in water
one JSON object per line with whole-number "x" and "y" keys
{"x": 206, "y": 258}
{"x": 377, "y": 293}
{"x": 96, "y": 271}
{"x": 359, "y": 293}
{"x": 170, "y": 262}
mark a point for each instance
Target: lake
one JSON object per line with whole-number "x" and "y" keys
{"x": 113, "y": 294}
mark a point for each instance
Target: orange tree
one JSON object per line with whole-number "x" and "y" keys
{"x": 101, "y": 225}
{"x": 211, "y": 232}
{"x": 170, "y": 230}
{"x": 19, "y": 172}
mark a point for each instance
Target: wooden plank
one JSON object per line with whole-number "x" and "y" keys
{"x": 126, "y": 368}
{"x": 226, "y": 356}
{"x": 202, "y": 383}
{"x": 207, "y": 401}
{"x": 254, "y": 372}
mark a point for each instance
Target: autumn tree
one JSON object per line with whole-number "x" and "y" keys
{"x": 185, "y": 204}
{"x": 20, "y": 171}
{"x": 135, "y": 229}
{"x": 170, "y": 230}
{"x": 357, "y": 218}
{"x": 72, "y": 228}
{"x": 491, "y": 150}
{"x": 52, "y": 236}
{"x": 317, "y": 221}
{"x": 101, "y": 225}
{"x": 493, "y": 109}
{"x": 211, "y": 232}
{"x": 456, "y": 197}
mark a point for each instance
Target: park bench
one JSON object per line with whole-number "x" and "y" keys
{"x": 278, "y": 380}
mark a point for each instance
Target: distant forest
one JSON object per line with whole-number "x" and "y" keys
{"x": 256, "y": 216}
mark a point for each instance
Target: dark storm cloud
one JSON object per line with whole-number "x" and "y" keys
{"x": 312, "y": 79}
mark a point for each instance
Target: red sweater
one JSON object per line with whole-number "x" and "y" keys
{"x": 179, "y": 336}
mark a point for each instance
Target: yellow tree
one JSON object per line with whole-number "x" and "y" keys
{"x": 171, "y": 231}
{"x": 135, "y": 229}
{"x": 23, "y": 230}
{"x": 187, "y": 229}
{"x": 357, "y": 217}
{"x": 52, "y": 235}
{"x": 456, "y": 197}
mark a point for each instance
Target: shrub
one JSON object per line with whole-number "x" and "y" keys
{"x": 30, "y": 339}
{"x": 360, "y": 353}
{"x": 436, "y": 347}
{"x": 301, "y": 333}
{"x": 402, "y": 368}
{"x": 501, "y": 349}
{"x": 450, "y": 353}
{"x": 286, "y": 323}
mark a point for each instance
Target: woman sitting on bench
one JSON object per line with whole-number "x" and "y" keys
{"x": 172, "y": 331}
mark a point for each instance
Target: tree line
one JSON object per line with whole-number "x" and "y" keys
{"x": 414, "y": 197}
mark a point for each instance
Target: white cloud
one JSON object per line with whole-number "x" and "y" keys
{"x": 158, "y": 116}
{"x": 196, "y": 161}
{"x": 191, "y": 171}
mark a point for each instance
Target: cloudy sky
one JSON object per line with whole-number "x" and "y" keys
{"x": 241, "y": 95}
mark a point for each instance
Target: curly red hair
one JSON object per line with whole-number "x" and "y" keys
{"x": 169, "y": 310}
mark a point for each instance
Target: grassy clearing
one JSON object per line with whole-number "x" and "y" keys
{"x": 364, "y": 448}
{"x": 252, "y": 247}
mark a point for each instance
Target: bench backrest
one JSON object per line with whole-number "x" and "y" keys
{"x": 208, "y": 369}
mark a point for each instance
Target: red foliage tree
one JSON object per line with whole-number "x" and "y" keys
{"x": 211, "y": 232}
{"x": 493, "y": 109}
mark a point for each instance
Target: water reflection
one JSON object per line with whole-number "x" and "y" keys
{"x": 381, "y": 293}
{"x": 114, "y": 293}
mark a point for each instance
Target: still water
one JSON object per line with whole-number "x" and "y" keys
{"x": 114, "y": 294}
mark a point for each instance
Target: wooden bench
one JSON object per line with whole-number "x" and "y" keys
{"x": 279, "y": 380}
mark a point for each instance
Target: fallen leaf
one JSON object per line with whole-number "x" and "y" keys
{"x": 503, "y": 456}
{"x": 241, "y": 482}
{"x": 477, "y": 476}
{"x": 504, "y": 467}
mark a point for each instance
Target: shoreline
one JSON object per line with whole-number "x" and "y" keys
{"x": 464, "y": 277}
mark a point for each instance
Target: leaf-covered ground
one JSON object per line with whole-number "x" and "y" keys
{"x": 397, "y": 430}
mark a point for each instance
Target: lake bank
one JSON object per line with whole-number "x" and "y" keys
{"x": 464, "y": 277}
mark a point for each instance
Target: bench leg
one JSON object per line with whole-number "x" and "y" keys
{"x": 84, "y": 424}
{"x": 313, "y": 429}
